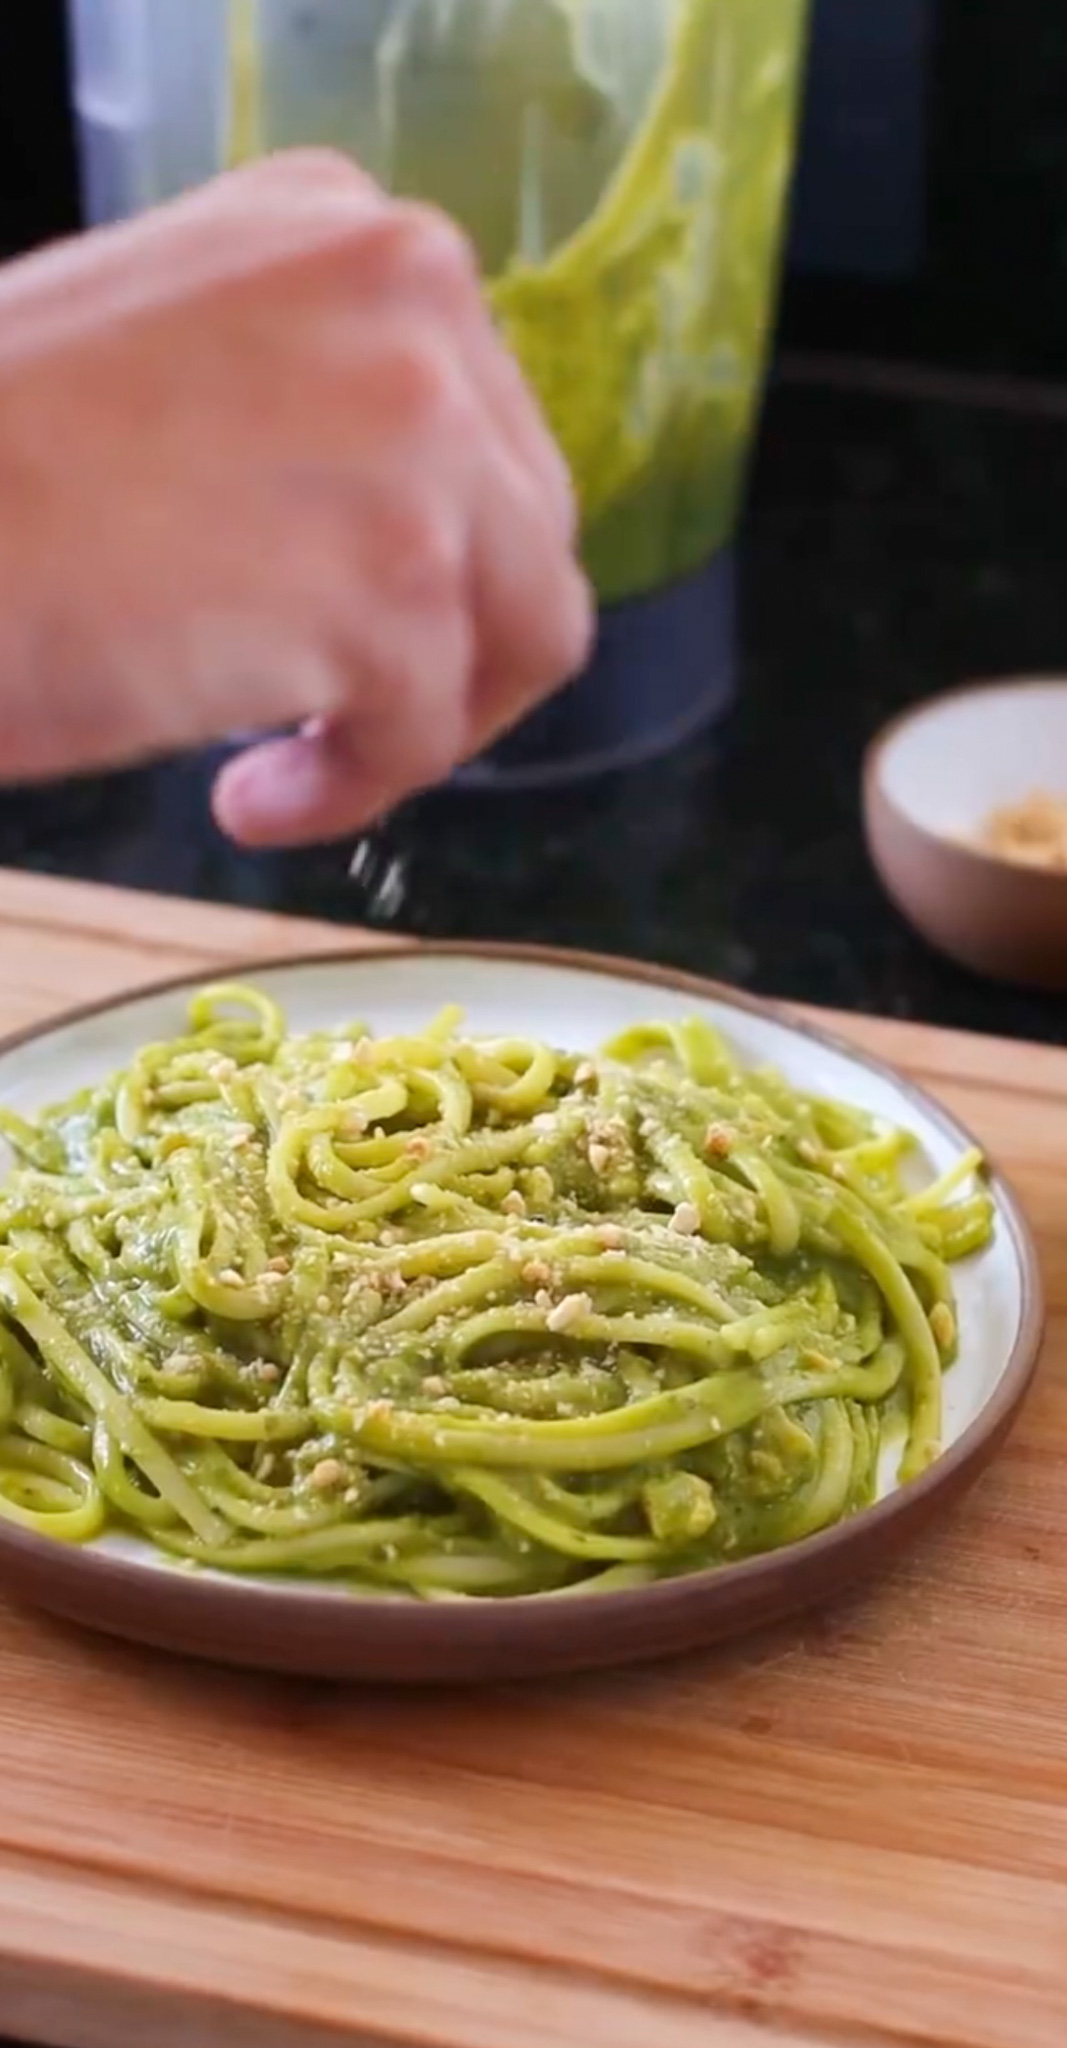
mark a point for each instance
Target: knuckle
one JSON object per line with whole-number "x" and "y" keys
{"x": 417, "y": 249}
{"x": 425, "y": 387}
{"x": 421, "y": 552}
{"x": 441, "y": 251}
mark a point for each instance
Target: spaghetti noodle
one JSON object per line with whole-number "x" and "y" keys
{"x": 455, "y": 1316}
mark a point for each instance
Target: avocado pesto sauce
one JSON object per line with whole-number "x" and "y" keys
{"x": 457, "y": 1317}
{"x": 622, "y": 167}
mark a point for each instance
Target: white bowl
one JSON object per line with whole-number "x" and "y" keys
{"x": 932, "y": 780}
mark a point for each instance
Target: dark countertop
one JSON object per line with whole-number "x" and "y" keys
{"x": 896, "y": 543}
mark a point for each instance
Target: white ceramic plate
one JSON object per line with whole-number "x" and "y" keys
{"x": 575, "y": 1002}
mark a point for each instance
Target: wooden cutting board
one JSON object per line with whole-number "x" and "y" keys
{"x": 849, "y": 1831}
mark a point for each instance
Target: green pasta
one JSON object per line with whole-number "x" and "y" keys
{"x": 456, "y": 1317}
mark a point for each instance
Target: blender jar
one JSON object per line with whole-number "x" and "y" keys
{"x": 622, "y": 167}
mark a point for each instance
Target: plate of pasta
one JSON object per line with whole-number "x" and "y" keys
{"x": 450, "y": 1314}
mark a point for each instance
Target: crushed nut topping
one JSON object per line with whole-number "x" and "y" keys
{"x": 328, "y": 1473}
{"x": 686, "y": 1220}
{"x": 181, "y": 1362}
{"x": 1033, "y": 833}
{"x": 569, "y": 1311}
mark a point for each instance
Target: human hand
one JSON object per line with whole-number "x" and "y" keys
{"x": 265, "y": 463}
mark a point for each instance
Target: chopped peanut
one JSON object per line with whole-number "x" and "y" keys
{"x": 328, "y": 1473}
{"x": 686, "y": 1220}
{"x": 568, "y": 1312}
{"x": 1033, "y": 832}
{"x": 181, "y": 1362}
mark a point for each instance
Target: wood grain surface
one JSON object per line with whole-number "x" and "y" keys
{"x": 849, "y": 1832}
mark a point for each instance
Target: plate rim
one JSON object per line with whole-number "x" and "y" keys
{"x": 505, "y": 1637}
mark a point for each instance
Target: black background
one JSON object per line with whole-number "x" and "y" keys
{"x": 38, "y": 176}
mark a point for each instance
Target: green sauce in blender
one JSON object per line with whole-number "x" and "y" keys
{"x": 622, "y": 166}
